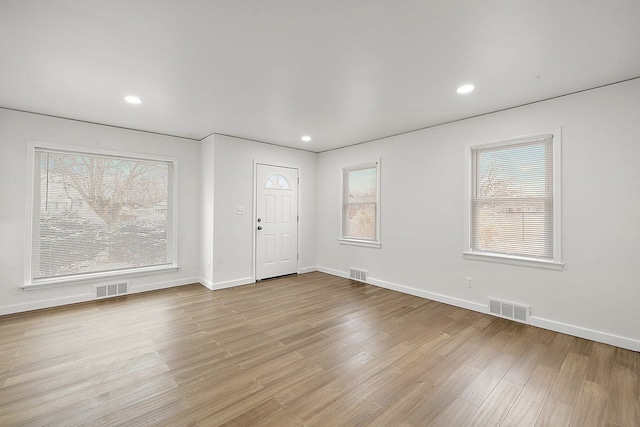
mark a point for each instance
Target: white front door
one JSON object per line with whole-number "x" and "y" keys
{"x": 276, "y": 221}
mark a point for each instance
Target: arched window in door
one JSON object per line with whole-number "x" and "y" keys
{"x": 277, "y": 182}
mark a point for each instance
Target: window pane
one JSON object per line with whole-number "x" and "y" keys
{"x": 277, "y": 182}
{"x": 363, "y": 186}
{"x": 97, "y": 213}
{"x": 521, "y": 170}
{"x": 516, "y": 227}
{"x": 360, "y": 221}
{"x": 360, "y": 204}
{"x": 512, "y": 209}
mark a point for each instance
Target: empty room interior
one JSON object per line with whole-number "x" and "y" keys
{"x": 301, "y": 213}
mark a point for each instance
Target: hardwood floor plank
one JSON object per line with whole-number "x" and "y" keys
{"x": 483, "y": 385}
{"x": 569, "y": 380}
{"x": 525, "y": 365}
{"x": 457, "y": 414}
{"x": 440, "y": 397}
{"x": 397, "y": 385}
{"x": 303, "y": 350}
{"x": 396, "y": 411}
{"x": 555, "y": 414}
{"x": 350, "y": 410}
{"x": 624, "y": 398}
{"x": 253, "y": 415}
{"x": 591, "y": 407}
{"x": 364, "y": 365}
{"x": 309, "y": 404}
{"x": 600, "y": 367}
{"x": 494, "y": 409}
{"x": 528, "y": 405}
{"x": 563, "y": 396}
{"x": 556, "y": 352}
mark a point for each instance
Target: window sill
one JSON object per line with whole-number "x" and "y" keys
{"x": 355, "y": 242}
{"x": 514, "y": 260}
{"x": 94, "y": 277}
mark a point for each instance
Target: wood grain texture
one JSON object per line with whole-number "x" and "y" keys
{"x": 307, "y": 350}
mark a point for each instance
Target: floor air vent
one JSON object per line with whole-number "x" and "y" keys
{"x": 509, "y": 310}
{"x": 357, "y": 274}
{"x": 106, "y": 291}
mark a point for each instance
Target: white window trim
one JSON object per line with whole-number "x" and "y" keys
{"x": 361, "y": 242}
{"x": 552, "y": 264}
{"x": 30, "y": 283}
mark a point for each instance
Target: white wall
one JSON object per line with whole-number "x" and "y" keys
{"x": 233, "y": 176}
{"x": 15, "y": 130}
{"x": 597, "y": 294}
{"x": 206, "y": 215}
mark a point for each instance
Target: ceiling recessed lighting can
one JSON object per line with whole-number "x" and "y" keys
{"x": 306, "y": 138}
{"x": 465, "y": 88}
{"x": 132, "y": 99}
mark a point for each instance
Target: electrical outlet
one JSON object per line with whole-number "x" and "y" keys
{"x": 469, "y": 282}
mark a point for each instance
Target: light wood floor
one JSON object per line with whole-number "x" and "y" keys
{"x": 303, "y": 350}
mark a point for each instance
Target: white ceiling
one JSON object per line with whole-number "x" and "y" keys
{"x": 342, "y": 71}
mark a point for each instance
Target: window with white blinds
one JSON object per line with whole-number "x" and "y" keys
{"x": 96, "y": 214}
{"x": 361, "y": 204}
{"x": 513, "y": 210}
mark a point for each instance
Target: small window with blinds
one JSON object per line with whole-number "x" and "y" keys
{"x": 361, "y": 204}
{"x": 514, "y": 201}
{"x": 96, "y": 215}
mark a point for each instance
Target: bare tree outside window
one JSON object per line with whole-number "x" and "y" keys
{"x": 360, "y": 203}
{"x": 113, "y": 188}
{"x": 99, "y": 213}
{"x": 512, "y": 199}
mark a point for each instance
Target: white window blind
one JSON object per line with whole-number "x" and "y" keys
{"x": 96, "y": 213}
{"x": 512, "y": 198}
{"x": 360, "y": 207}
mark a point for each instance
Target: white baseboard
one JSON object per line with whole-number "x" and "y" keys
{"x": 333, "y": 272}
{"x": 206, "y": 283}
{"x": 232, "y": 283}
{"x": 244, "y": 281}
{"x": 458, "y": 302}
{"x": 577, "y": 331}
{"x": 84, "y": 297}
{"x": 48, "y": 303}
{"x": 590, "y": 334}
{"x": 413, "y": 291}
{"x": 163, "y": 285}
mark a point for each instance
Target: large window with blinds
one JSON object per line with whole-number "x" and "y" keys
{"x": 514, "y": 200}
{"x": 361, "y": 204}
{"x": 99, "y": 215}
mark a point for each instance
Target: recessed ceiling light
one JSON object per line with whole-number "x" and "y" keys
{"x": 306, "y": 138}
{"x": 133, "y": 99}
{"x": 465, "y": 88}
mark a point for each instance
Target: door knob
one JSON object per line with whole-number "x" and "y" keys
{"x": 259, "y": 227}
{"x": 259, "y": 219}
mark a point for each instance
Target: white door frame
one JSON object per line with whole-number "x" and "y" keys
{"x": 254, "y": 215}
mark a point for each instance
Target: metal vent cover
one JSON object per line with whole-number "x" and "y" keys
{"x": 358, "y": 274}
{"x": 520, "y": 313}
{"x": 509, "y": 310}
{"x": 112, "y": 289}
{"x": 101, "y": 291}
{"x": 495, "y": 307}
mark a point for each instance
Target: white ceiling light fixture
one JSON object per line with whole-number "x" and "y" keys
{"x": 465, "y": 89}
{"x": 306, "y": 138}
{"x": 132, "y": 99}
